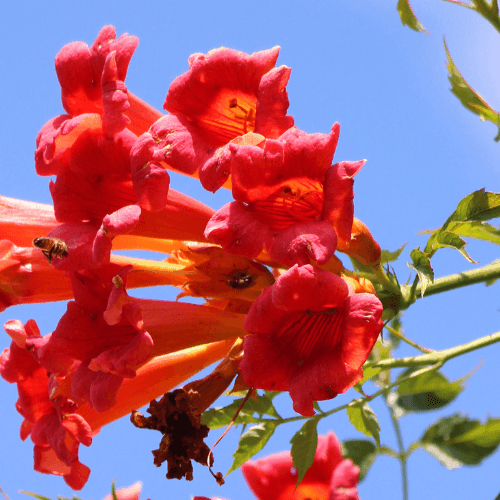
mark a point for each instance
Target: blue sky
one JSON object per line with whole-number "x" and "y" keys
{"x": 354, "y": 63}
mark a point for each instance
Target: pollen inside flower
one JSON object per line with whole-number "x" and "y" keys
{"x": 296, "y": 200}
{"x": 306, "y": 332}
{"x": 229, "y": 115}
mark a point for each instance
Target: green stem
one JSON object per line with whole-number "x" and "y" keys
{"x": 402, "y": 452}
{"x": 439, "y": 356}
{"x": 366, "y": 399}
{"x": 465, "y": 278}
{"x": 462, "y": 4}
{"x": 489, "y": 12}
{"x": 433, "y": 361}
{"x": 400, "y": 336}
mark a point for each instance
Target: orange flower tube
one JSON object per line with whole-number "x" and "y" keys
{"x": 156, "y": 377}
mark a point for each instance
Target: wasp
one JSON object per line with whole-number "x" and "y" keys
{"x": 239, "y": 280}
{"x": 51, "y": 247}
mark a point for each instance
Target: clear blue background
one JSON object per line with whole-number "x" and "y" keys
{"x": 352, "y": 62}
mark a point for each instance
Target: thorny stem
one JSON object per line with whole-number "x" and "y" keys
{"x": 402, "y": 456}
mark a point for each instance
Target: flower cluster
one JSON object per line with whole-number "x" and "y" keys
{"x": 264, "y": 263}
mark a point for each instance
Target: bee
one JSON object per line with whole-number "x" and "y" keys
{"x": 51, "y": 247}
{"x": 239, "y": 280}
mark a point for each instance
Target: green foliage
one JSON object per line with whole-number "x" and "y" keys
{"x": 216, "y": 418}
{"x": 362, "y": 452}
{"x": 304, "y": 444}
{"x": 386, "y": 256}
{"x": 422, "y": 265}
{"x": 381, "y": 350}
{"x": 397, "y": 326}
{"x": 41, "y": 497}
{"x": 408, "y": 17}
{"x": 479, "y": 231}
{"x": 368, "y": 373}
{"x": 446, "y": 239}
{"x": 480, "y": 205}
{"x": 469, "y": 98}
{"x": 221, "y": 417}
{"x": 467, "y": 220}
{"x": 429, "y": 391}
{"x": 457, "y": 441}
{"x": 252, "y": 441}
{"x": 363, "y": 418}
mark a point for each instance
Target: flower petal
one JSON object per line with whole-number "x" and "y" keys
{"x": 361, "y": 328}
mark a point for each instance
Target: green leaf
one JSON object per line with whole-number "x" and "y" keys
{"x": 483, "y": 435}
{"x": 364, "y": 419}
{"x": 263, "y": 406}
{"x": 469, "y": 98}
{"x": 215, "y": 418}
{"x": 41, "y": 497}
{"x": 221, "y": 417}
{"x": 445, "y": 239}
{"x": 457, "y": 440}
{"x": 368, "y": 373}
{"x": 362, "y": 452}
{"x": 467, "y": 220}
{"x": 252, "y": 442}
{"x": 35, "y": 495}
{"x": 408, "y": 17}
{"x": 303, "y": 449}
{"x": 422, "y": 265}
{"x": 387, "y": 256}
{"x": 477, "y": 230}
{"x": 480, "y": 205}
{"x": 429, "y": 391}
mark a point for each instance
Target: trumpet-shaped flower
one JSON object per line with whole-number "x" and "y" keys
{"x": 47, "y": 410}
{"x": 105, "y": 335}
{"x": 289, "y": 199}
{"x": 309, "y": 332}
{"x": 310, "y": 335}
{"x": 93, "y": 77}
{"x": 330, "y": 477}
{"x": 58, "y": 420}
{"x": 219, "y": 274}
{"x": 224, "y": 95}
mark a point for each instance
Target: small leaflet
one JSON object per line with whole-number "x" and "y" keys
{"x": 252, "y": 442}
{"x": 408, "y": 18}
{"x": 303, "y": 449}
{"x": 469, "y": 98}
{"x": 363, "y": 418}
